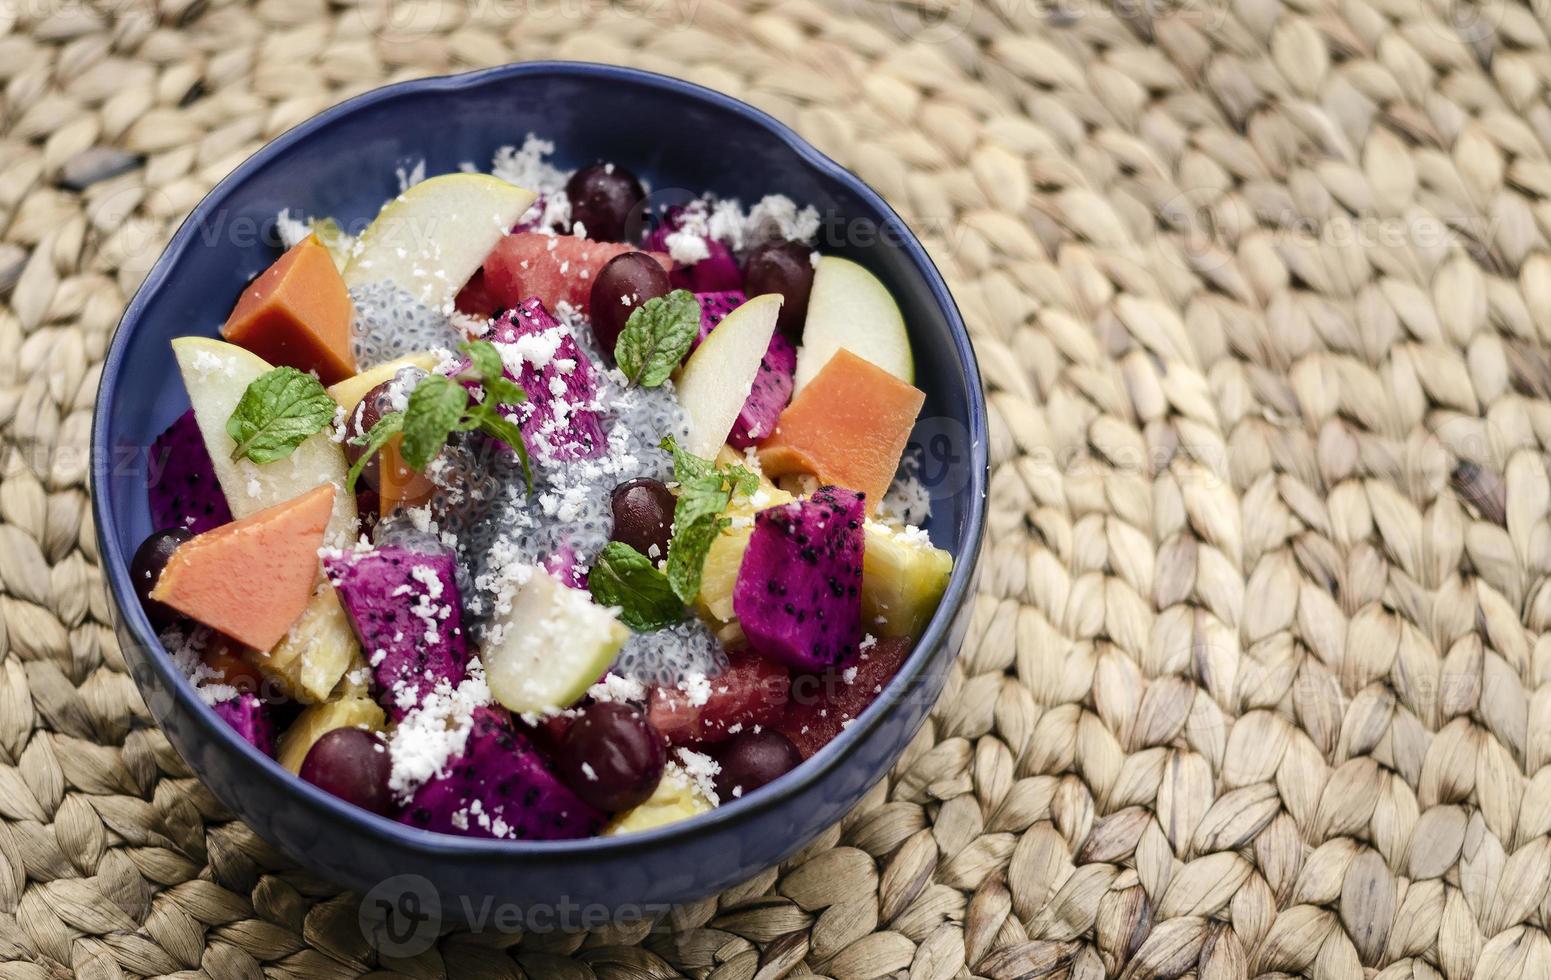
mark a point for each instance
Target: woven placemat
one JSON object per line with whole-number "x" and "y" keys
{"x": 1262, "y": 293}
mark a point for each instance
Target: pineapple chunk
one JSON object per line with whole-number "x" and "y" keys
{"x": 349, "y": 392}
{"x": 902, "y": 580}
{"x": 675, "y": 798}
{"x": 722, "y": 561}
{"x": 315, "y": 654}
{"x": 320, "y": 719}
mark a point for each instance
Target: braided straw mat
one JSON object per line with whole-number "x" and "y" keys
{"x": 1257, "y": 677}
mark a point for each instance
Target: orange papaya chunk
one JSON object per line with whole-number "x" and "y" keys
{"x": 297, "y": 313}
{"x": 848, "y": 427}
{"x": 253, "y": 578}
{"x": 397, "y": 484}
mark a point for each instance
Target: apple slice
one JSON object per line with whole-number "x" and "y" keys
{"x": 216, "y": 374}
{"x": 550, "y": 646}
{"x": 850, "y": 308}
{"x": 430, "y": 239}
{"x": 717, "y": 378}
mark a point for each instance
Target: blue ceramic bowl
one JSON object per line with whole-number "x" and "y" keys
{"x": 342, "y": 163}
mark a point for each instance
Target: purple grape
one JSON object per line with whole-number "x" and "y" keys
{"x": 643, "y": 516}
{"x": 354, "y": 765}
{"x": 753, "y": 759}
{"x": 604, "y": 198}
{"x": 359, "y": 422}
{"x": 785, "y": 268}
{"x": 623, "y": 284}
{"x": 146, "y": 567}
{"x": 611, "y": 756}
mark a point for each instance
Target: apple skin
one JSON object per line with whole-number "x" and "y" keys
{"x": 716, "y": 380}
{"x": 849, "y": 307}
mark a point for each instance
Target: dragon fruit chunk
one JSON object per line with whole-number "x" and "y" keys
{"x": 714, "y": 308}
{"x": 718, "y": 271}
{"x": 500, "y": 786}
{"x": 560, "y": 419}
{"x": 799, "y": 589}
{"x": 768, "y": 396}
{"x": 406, "y": 611}
{"x": 772, "y": 387}
{"x": 181, "y": 481}
{"x": 250, "y": 718}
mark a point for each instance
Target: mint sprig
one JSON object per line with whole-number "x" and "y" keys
{"x": 440, "y": 405}
{"x": 656, "y": 336}
{"x": 625, "y": 578}
{"x": 277, "y": 413}
{"x": 703, "y": 496}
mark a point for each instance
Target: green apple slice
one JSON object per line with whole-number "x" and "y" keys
{"x": 551, "y": 645}
{"x": 850, "y": 308}
{"x": 430, "y": 239}
{"x": 216, "y": 374}
{"x": 717, "y": 378}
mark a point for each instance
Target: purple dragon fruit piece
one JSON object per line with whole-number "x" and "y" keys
{"x": 799, "y": 589}
{"x": 500, "y": 786}
{"x": 182, "y": 485}
{"x": 717, "y": 272}
{"x": 771, "y": 391}
{"x": 250, "y": 718}
{"x": 560, "y": 419}
{"x": 406, "y": 610}
{"x": 566, "y": 568}
{"x": 772, "y": 387}
{"x": 714, "y": 308}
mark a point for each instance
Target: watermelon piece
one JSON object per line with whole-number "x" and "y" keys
{"x": 554, "y": 269}
{"x": 799, "y": 589}
{"x": 251, "y": 579}
{"x": 823, "y": 704}
{"x": 251, "y": 719}
{"x": 500, "y": 786}
{"x": 182, "y": 487}
{"x": 406, "y": 611}
{"x": 751, "y": 691}
{"x": 560, "y": 419}
{"x": 475, "y": 298}
{"x": 714, "y": 307}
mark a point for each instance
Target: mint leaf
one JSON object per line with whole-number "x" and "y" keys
{"x": 704, "y": 494}
{"x": 625, "y": 578}
{"x": 485, "y": 358}
{"x": 435, "y": 407}
{"x": 277, "y": 413}
{"x": 386, "y": 428}
{"x": 492, "y": 423}
{"x": 656, "y": 336}
{"x": 504, "y": 391}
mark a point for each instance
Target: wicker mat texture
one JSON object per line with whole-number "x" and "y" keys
{"x": 1259, "y": 679}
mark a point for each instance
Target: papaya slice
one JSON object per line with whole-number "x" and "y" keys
{"x": 297, "y": 313}
{"x": 848, "y": 427}
{"x": 253, "y": 578}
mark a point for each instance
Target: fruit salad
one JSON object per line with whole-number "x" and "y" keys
{"x": 534, "y": 511}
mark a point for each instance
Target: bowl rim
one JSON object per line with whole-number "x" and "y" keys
{"x": 114, "y": 562}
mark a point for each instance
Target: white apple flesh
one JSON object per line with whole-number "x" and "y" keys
{"x": 430, "y": 239}
{"x": 717, "y": 378}
{"x": 550, "y": 646}
{"x": 216, "y": 374}
{"x": 850, "y": 308}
